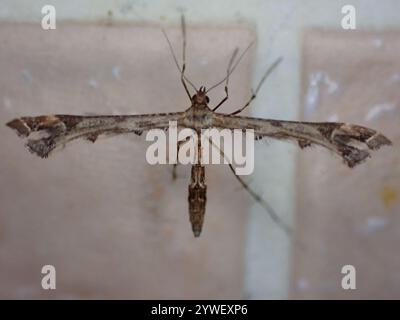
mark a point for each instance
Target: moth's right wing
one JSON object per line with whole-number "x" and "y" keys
{"x": 346, "y": 140}
{"x": 57, "y": 130}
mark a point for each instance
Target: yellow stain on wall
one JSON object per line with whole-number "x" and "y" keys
{"x": 389, "y": 195}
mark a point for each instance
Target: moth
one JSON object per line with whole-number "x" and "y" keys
{"x": 348, "y": 141}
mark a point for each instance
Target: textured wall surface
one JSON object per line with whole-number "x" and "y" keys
{"x": 350, "y": 216}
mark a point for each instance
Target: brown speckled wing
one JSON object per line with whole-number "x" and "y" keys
{"x": 57, "y": 130}
{"x": 346, "y": 140}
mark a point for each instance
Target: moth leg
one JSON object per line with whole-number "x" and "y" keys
{"x": 175, "y": 165}
{"x": 228, "y": 72}
{"x": 254, "y": 93}
{"x": 264, "y": 204}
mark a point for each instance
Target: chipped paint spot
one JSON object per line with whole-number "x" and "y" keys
{"x": 389, "y": 196}
{"x": 302, "y": 284}
{"x": 116, "y": 72}
{"x": 93, "y": 83}
{"x": 373, "y": 225}
{"x": 312, "y": 96}
{"x": 332, "y": 85}
{"x": 27, "y": 76}
{"x": 377, "y": 110}
{"x": 311, "y": 99}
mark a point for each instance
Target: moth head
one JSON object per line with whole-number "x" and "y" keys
{"x": 201, "y": 97}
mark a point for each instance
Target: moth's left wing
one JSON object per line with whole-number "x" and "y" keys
{"x": 57, "y": 130}
{"x": 346, "y": 140}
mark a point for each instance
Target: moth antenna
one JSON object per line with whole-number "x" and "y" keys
{"x": 174, "y": 56}
{"x": 230, "y": 70}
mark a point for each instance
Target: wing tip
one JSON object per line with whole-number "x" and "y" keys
{"x": 41, "y": 147}
{"x": 20, "y": 126}
{"x": 355, "y": 157}
{"x": 378, "y": 140}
